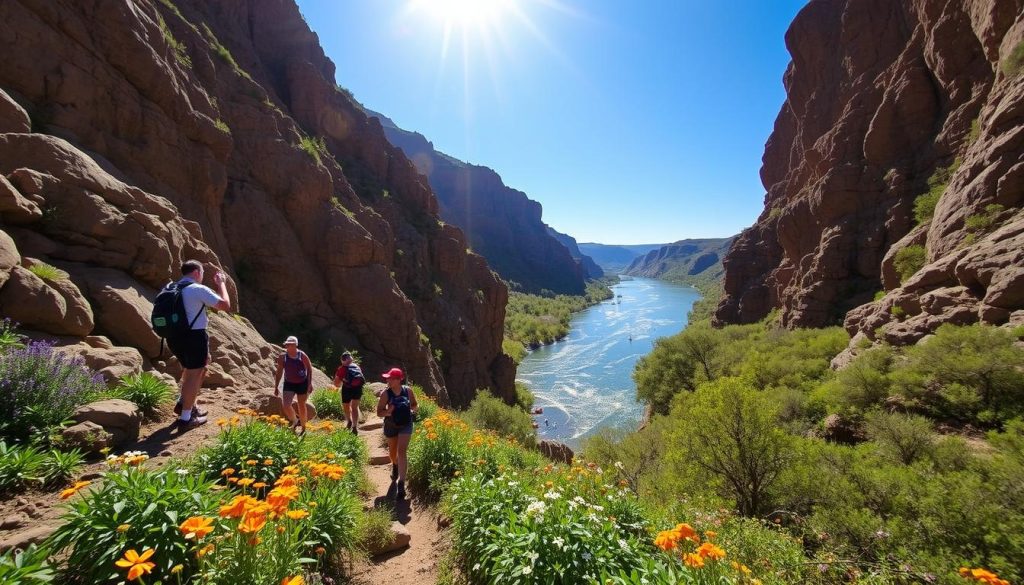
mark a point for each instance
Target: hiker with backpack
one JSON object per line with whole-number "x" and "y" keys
{"x": 179, "y": 318}
{"x": 349, "y": 378}
{"x": 397, "y": 405}
{"x": 298, "y": 382}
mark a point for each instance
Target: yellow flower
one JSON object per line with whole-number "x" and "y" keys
{"x": 693, "y": 561}
{"x": 123, "y": 528}
{"x": 710, "y": 534}
{"x": 204, "y": 551}
{"x": 197, "y": 526}
{"x": 666, "y": 540}
{"x": 246, "y": 482}
{"x": 136, "y": 564}
{"x": 296, "y": 580}
{"x": 176, "y": 569}
{"x": 297, "y": 514}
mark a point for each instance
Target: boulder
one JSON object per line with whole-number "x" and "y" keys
{"x": 398, "y": 538}
{"x": 269, "y": 404}
{"x": 87, "y": 436}
{"x": 112, "y": 363}
{"x": 555, "y": 451}
{"x": 32, "y": 535}
{"x": 14, "y": 207}
{"x": 56, "y": 307}
{"x": 13, "y": 117}
{"x": 9, "y": 257}
{"x": 838, "y": 429}
{"x": 121, "y": 418}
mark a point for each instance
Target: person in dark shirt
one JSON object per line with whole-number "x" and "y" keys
{"x": 349, "y": 378}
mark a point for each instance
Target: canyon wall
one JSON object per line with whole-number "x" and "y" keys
{"x": 891, "y": 106}
{"x": 137, "y": 133}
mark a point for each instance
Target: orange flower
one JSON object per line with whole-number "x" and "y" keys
{"x": 297, "y": 514}
{"x": 281, "y": 495}
{"x": 79, "y": 485}
{"x": 228, "y": 471}
{"x": 287, "y": 480}
{"x": 123, "y": 528}
{"x": 253, "y": 521}
{"x": 204, "y": 551}
{"x": 246, "y": 482}
{"x": 319, "y": 550}
{"x": 197, "y": 526}
{"x": 982, "y": 576}
{"x": 666, "y": 540}
{"x": 136, "y": 564}
{"x": 259, "y": 485}
{"x": 710, "y": 551}
{"x": 710, "y": 534}
{"x": 268, "y": 462}
{"x": 693, "y": 561}
{"x": 686, "y": 532}
{"x": 238, "y": 506}
{"x": 251, "y": 462}
{"x": 296, "y": 580}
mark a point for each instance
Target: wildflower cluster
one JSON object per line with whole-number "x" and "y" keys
{"x": 982, "y": 576}
{"x": 128, "y": 458}
{"x": 704, "y": 554}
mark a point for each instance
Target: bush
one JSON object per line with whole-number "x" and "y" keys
{"x": 925, "y": 203}
{"x": 40, "y": 389}
{"x": 257, "y": 440}
{"x": 375, "y": 529}
{"x": 48, "y": 272}
{"x": 490, "y": 413}
{"x": 903, "y": 438}
{"x": 909, "y": 260}
{"x": 427, "y": 406}
{"x": 25, "y": 567}
{"x": 327, "y": 402}
{"x": 1014, "y": 62}
{"x": 9, "y": 338}
{"x": 20, "y": 466}
{"x": 147, "y": 391}
{"x": 133, "y": 508}
{"x": 524, "y": 397}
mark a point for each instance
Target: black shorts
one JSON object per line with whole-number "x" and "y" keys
{"x": 296, "y": 387}
{"x": 350, "y": 394}
{"x": 191, "y": 348}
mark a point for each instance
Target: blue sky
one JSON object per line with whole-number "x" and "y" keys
{"x": 631, "y": 122}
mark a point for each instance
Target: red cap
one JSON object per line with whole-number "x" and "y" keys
{"x": 394, "y": 373}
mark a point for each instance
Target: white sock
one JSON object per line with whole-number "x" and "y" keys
{"x": 186, "y": 414}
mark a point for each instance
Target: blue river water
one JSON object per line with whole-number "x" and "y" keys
{"x": 584, "y": 382}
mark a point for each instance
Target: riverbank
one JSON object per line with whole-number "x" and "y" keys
{"x": 532, "y": 321}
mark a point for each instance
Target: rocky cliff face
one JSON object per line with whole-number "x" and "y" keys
{"x": 590, "y": 268}
{"x": 171, "y": 129}
{"x": 683, "y": 261}
{"x": 888, "y": 101}
{"x": 502, "y": 224}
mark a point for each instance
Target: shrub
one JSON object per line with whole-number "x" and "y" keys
{"x": 26, "y": 567}
{"x": 1014, "y": 62}
{"x": 20, "y": 466}
{"x": 981, "y": 223}
{"x": 491, "y": 413}
{"x": 524, "y": 397}
{"x": 427, "y": 406}
{"x": 903, "y": 438}
{"x": 678, "y": 363}
{"x": 340, "y": 444}
{"x": 924, "y": 204}
{"x": 909, "y": 260}
{"x": 133, "y": 508}
{"x": 314, "y": 147}
{"x": 146, "y": 390}
{"x": 40, "y": 389}
{"x": 47, "y": 272}
{"x": 60, "y": 466}
{"x": 375, "y": 529}
{"x": 327, "y": 402}
{"x": 256, "y": 440}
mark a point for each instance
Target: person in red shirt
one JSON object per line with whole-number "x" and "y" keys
{"x": 349, "y": 378}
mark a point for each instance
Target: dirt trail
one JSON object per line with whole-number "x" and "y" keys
{"x": 418, "y": 562}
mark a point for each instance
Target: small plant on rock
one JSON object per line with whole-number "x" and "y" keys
{"x": 146, "y": 390}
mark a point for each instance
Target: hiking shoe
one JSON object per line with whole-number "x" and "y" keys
{"x": 348, "y": 425}
{"x": 400, "y": 494}
{"x": 195, "y": 409}
{"x": 394, "y": 472}
{"x": 193, "y": 422}
{"x": 355, "y": 431}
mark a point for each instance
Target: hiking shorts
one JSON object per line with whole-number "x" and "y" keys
{"x": 350, "y": 394}
{"x": 191, "y": 348}
{"x": 296, "y": 387}
{"x": 391, "y": 431}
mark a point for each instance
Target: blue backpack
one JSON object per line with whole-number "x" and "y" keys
{"x": 402, "y": 414}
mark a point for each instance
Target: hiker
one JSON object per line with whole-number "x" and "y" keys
{"x": 397, "y": 405}
{"x": 298, "y": 382}
{"x": 192, "y": 345}
{"x": 349, "y": 378}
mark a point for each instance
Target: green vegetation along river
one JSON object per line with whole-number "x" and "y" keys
{"x": 584, "y": 382}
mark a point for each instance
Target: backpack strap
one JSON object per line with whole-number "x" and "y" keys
{"x": 182, "y": 284}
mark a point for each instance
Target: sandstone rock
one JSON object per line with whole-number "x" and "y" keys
{"x": 269, "y": 404}
{"x": 14, "y": 521}
{"x": 13, "y": 117}
{"x": 111, "y": 363}
{"x": 838, "y": 429}
{"x": 399, "y": 537}
{"x": 121, "y": 418}
{"x": 9, "y": 257}
{"x": 15, "y": 208}
{"x": 32, "y": 535}
{"x": 87, "y": 436}
{"x": 54, "y": 307}
{"x": 555, "y": 451}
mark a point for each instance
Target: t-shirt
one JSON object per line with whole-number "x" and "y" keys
{"x": 196, "y": 298}
{"x": 348, "y": 375}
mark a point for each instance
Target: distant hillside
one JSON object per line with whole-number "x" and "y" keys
{"x": 502, "y": 224}
{"x": 614, "y": 258}
{"x": 683, "y": 261}
{"x": 590, "y": 268}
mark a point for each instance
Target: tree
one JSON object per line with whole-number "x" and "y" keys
{"x": 728, "y": 433}
{"x": 677, "y": 363}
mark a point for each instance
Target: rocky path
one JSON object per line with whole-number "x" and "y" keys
{"x": 417, "y": 523}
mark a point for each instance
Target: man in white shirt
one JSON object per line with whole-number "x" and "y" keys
{"x": 193, "y": 347}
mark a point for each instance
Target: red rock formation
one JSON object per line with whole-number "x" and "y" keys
{"x": 881, "y": 95}
{"x": 215, "y": 130}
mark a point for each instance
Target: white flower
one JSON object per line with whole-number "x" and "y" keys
{"x": 579, "y": 500}
{"x": 513, "y": 483}
{"x": 527, "y": 570}
{"x": 586, "y": 556}
{"x": 598, "y": 508}
{"x": 181, "y": 472}
{"x": 476, "y": 567}
{"x": 559, "y": 541}
{"x": 536, "y": 509}
{"x": 552, "y": 495}
{"x": 619, "y": 465}
{"x": 623, "y": 544}
{"x": 532, "y": 556}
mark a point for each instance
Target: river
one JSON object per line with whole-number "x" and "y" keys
{"x": 585, "y": 382}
